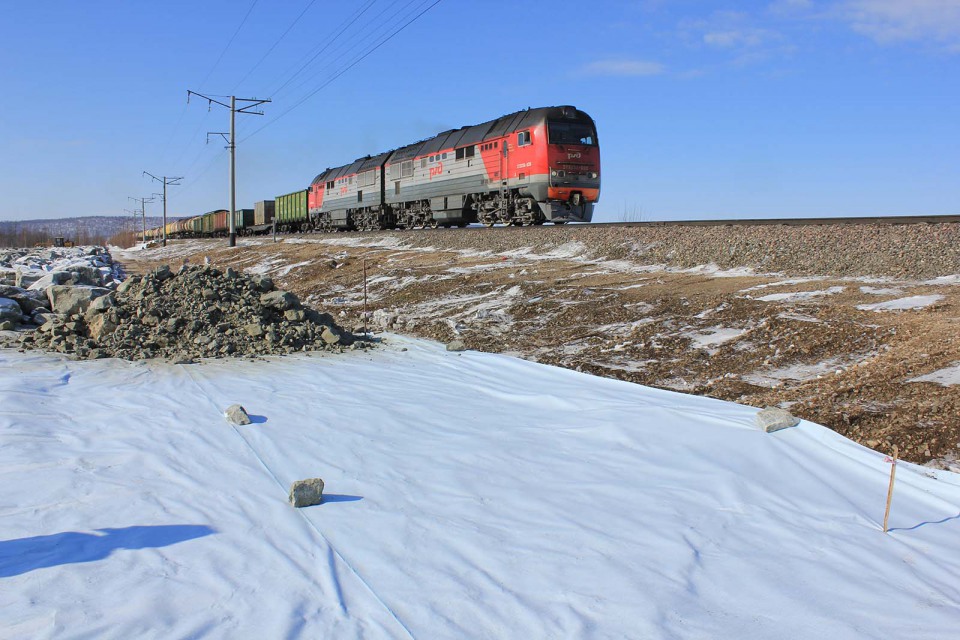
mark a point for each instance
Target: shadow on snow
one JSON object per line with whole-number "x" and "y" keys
{"x": 28, "y": 554}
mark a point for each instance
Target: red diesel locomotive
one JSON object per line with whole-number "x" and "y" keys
{"x": 529, "y": 167}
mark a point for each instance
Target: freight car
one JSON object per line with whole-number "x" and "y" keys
{"x": 529, "y": 167}
{"x": 290, "y": 212}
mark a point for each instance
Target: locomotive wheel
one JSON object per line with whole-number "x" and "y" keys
{"x": 433, "y": 224}
{"x": 489, "y": 224}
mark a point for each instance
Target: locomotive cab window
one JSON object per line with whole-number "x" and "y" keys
{"x": 571, "y": 133}
{"x": 465, "y": 152}
{"x": 523, "y": 138}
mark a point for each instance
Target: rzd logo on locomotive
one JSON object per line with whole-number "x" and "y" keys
{"x": 437, "y": 170}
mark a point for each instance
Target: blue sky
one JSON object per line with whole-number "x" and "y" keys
{"x": 705, "y": 109}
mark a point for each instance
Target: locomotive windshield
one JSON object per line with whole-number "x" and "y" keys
{"x": 571, "y": 133}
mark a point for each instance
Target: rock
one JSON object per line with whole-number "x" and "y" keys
{"x": 128, "y": 284}
{"x": 26, "y": 277}
{"x": 29, "y": 304}
{"x": 330, "y": 335}
{"x": 254, "y": 330}
{"x": 280, "y": 300}
{"x": 41, "y": 317}
{"x": 7, "y": 325}
{"x": 383, "y": 319}
{"x": 306, "y": 493}
{"x": 56, "y": 277}
{"x": 162, "y": 273}
{"x": 100, "y": 326}
{"x": 68, "y": 299}
{"x": 456, "y": 345}
{"x": 10, "y": 311}
{"x": 263, "y": 283}
{"x": 85, "y": 275}
{"x": 102, "y": 303}
{"x": 236, "y": 414}
{"x": 774, "y": 419}
{"x": 294, "y": 315}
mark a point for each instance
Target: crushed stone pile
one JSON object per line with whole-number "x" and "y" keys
{"x": 196, "y": 312}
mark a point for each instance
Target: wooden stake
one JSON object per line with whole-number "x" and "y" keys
{"x": 893, "y": 475}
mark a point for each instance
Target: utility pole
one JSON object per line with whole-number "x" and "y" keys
{"x": 143, "y": 213}
{"x": 232, "y": 145}
{"x": 166, "y": 181}
{"x": 134, "y": 213}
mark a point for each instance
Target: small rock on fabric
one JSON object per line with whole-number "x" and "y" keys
{"x": 456, "y": 345}
{"x": 774, "y": 419}
{"x": 306, "y": 493}
{"x": 237, "y": 414}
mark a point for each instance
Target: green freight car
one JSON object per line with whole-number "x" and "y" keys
{"x": 290, "y": 212}
{"x": 242, "y": 221}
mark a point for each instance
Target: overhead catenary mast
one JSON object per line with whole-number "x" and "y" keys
{"x": 232, "y": 145}
{"x": 166, "y": 181}
{"x": 143, "y": 213}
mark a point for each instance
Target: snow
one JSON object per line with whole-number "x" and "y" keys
{"x": 711, "y": 337}
{"x": 883, "y": 291}
{"x": 799, "y": 296}
{"x": 902, "y": 304}
{"x": 799, "y": 372}
{"x": 946, "y": 377}
{"x": 468, "y": 495}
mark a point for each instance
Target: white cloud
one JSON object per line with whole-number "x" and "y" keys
{"x": 737, "y": 37}
{"x": 890, "y": 21}
{"x": 622, "y": 67}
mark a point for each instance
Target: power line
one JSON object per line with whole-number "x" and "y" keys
{"x": 371, "y": 35}
{"x": 345, "y": 69}
{"x": 229, "y": 42}
{"x": 274, "y": 45}
{"x": 329, "y": 41}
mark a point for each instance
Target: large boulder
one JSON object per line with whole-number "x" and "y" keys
{"x": 10, "y": 310}
{"x": 55, "y": 277}
{"x": 67, "y": 299}
{"x": 85, "y": 274}
{"x": 26, "y": 277}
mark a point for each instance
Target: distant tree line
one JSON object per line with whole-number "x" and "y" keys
{"x": 88, "y": 230}
{"x": 17, "y": 234}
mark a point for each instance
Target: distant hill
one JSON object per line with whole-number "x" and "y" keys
{"x": 85, "y": 230}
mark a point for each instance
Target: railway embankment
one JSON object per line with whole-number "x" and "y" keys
{"x": 918, "y": 251}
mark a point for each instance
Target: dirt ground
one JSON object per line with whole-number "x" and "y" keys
{"x": 819, "y": 346}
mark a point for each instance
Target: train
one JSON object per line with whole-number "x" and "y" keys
{"x": 529, "y": 167}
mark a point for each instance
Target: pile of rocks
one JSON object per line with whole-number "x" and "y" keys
{"x": 34, "y": 283}
{"x": 199, "y": 311}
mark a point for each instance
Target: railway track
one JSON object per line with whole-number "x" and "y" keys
{"x": 794, "y": 222}
{"x": 750, "y": 222}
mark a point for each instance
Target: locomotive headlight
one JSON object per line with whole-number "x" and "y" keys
{"x": 553, "y": 172}
{"x": 593, "y": 175}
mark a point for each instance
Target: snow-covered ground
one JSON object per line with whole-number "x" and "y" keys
{"x": 468, "y": 496}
